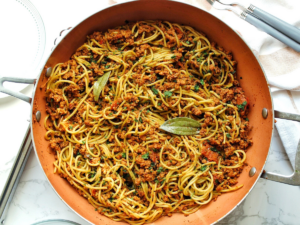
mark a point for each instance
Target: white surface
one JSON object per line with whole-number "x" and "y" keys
{"x": 269, "y": 203}
{"x": 22, "y": 30}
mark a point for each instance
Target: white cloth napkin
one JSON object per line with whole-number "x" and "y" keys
{"x": 281, "y": 63}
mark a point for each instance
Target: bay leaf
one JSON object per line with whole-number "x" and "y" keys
{"x": 100, "y": 84}
{"x": 181, "y": 126}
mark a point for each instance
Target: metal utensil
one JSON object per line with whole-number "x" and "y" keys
{"x": 264, "y": 21}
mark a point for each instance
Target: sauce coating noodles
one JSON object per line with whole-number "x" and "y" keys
{"x": 112, "y": 150}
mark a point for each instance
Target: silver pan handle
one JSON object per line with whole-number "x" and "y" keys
{"x": 16, "y": 80}
{"x": 293, "y": 179}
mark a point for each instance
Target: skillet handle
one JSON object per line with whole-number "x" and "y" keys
{"x": 293, "y": 179}
{"x": 16, "y": 94}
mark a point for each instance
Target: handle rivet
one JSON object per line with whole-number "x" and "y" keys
{"x": 265, "y": 113}
{"x": 252, "y": 172}
{"x": 48, "y": 71}
{"x": 38, "y": 116}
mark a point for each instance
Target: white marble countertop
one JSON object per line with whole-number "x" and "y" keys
{"x": 268, "y": 203}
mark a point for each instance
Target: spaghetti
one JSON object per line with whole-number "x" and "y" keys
{"x": 112, "y": 150}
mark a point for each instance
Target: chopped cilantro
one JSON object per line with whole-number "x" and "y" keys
{"x": 203, "y": 168}
{"x": 228, "y": 135}
{"x": 111, "y": 199}
{"x": 173, "y": 48}
{"x": 163, "y": 181}
{"x": 168, "y": 94}
{"x": 106, "y": 67}
{"x": 159, "y": 104}
{"x": 155, "y": 91}
{"x": 199, "y": 59}
{"x": 70, "y": 127}
{"x": 233, "y": 72}
{"x": 196, "y": 87}
{"x": 92, "y": 175}
{"x": 103, "y": 62}
{"x": 188, "y": 42}
{"x": 173, "y": 57}
{"x": 247, "y": 119}
{"x": 92, "y": 58}
{"x": 145, "y": 156}
{"x": 242, "y": 106}
{"x": 181, "y": 59}
{"x": 213, "y": 149}
{"x": 124, "y": 155}
{"x": 135, "y": 120}
{"x": 141, "y": 120}
{"x": 83, "y": 142}
{"x": 202, "y": 82}
{"x": 160, "y": 169}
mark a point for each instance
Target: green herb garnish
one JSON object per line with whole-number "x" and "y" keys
{"x": 203, "y": 168}
{"x": 145, "y": 156}
{"x": 160, "y": 169}
{"x": 168, "y": 94}
{"x": 242, "y": 106}
{"x": 155, "y": 91}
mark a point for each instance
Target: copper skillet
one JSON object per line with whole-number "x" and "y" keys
{"x": 252, "y": 79}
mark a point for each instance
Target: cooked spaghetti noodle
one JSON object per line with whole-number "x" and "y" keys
{"x": 112, "y": 150}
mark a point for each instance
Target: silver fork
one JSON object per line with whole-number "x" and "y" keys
{"x": 264, "y": 21}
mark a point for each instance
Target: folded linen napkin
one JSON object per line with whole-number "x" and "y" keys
{"x": 281, "y": 63}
